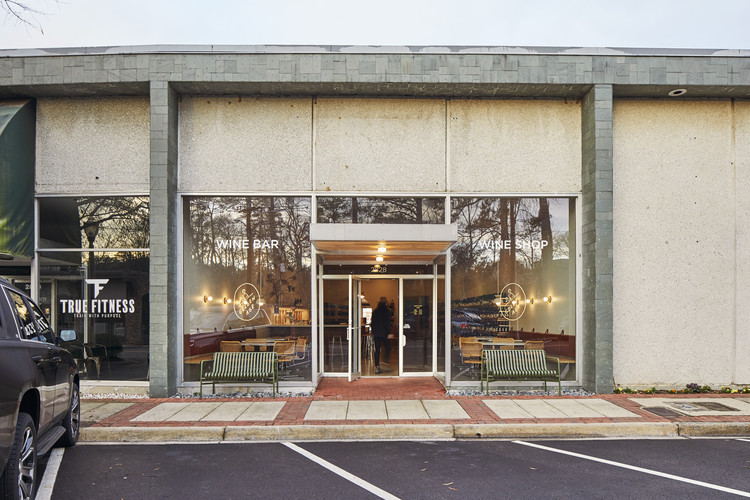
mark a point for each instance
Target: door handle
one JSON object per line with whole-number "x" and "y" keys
{"x": 56, "y": 359}
{"x": 37, "y": 359}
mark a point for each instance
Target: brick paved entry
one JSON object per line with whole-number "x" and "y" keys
{"x": 380, "y": 388}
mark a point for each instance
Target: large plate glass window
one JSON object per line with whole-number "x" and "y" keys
{"x": 513, "y": 280}
{"x": 247, "y": 279}
{"x": 94, "y": 275}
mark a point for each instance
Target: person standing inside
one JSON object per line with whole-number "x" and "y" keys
{"x": 381, "y": 326}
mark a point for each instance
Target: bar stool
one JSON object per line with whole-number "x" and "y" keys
{"x": 369, "y": 346}
{"x": 336, "y": 342}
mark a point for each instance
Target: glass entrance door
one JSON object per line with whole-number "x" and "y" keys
{"x": 348, "y": 345}
{"x": 417, "y": 329}
{"x": 354, "y": 328}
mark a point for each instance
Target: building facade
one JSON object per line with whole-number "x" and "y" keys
{"x": 165, "y": 203}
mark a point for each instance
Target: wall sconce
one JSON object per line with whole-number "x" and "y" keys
{"x": 498, "y": 300}
{"x": 207, "y": 298}
{"x": 548, "y": 299}
{"x": 379, "y": 258}
{"x": 381, "y": 249}
{"x": 530, "y": 300}
{"x": 261, "y": 303}
{"x": 227, "y": 300}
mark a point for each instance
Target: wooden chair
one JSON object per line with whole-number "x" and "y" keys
{"x": 471, "y": 354}
{"x": 505, "y": 343}
{"x": 257, "y": 345}
{"x": 300, "y": 349}
{"x": 285, "y": 351}
{"x": 230, "y": 346}
{"x": 533, "y": 345}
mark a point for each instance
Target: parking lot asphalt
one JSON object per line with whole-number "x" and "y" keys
{"x": 621, "y": 468}
{"x": 416, "y": 415}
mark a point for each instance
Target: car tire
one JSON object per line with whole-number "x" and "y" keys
{"x": 19, "y": 477}
{"x": 72, "y": 421}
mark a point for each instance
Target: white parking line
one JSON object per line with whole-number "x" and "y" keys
{"x": 341, "y": 472}
{"x": 745, "y": 440}
{"x": 50, "y": 474}
{"x": 638, "y": 469}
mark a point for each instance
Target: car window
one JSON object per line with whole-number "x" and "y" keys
{"x": 45, "y": 330}
{"x": 28, "y": 327}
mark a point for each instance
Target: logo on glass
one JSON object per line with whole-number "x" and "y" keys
{"x": 247, "y": 302}
{"x": 512, "y": 302}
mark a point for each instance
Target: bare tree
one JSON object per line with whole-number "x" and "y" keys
{"x": 23, "y": 12}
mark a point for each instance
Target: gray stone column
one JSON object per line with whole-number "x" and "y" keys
{"x": 164, "y": 336}
{"x": 597, "y": 142}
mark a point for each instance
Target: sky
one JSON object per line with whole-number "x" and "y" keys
{"x": 706, "y": 24}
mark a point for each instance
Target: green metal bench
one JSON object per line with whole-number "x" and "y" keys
{"x": 241, "y": 367}
{"x": 517, "y": 365}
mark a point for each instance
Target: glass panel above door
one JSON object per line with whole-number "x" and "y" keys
{"x": 372, "y": 210}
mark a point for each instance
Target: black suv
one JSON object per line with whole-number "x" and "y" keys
{"x": 39, "y": 392}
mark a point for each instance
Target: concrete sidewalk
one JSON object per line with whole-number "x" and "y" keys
{"x": 422, "y": 414}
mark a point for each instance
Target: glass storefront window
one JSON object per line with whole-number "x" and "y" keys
{"x": 513, "y": 278}
{"x": 93, "y": 287}
{"x": 98, "y": 304}
{"x": 94, "y": 222}
{"x": 247, "y": 263}
{"x": 370, "y": 210}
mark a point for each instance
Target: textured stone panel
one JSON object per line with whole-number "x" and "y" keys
{"x": 742, "y": 173}
{"x": 233, "y": 145}
{"x": 513, "y": 146}
{"x": 92, "y": 146}
{"x": 380, "y": 145}
{"x": 674, "y": 251}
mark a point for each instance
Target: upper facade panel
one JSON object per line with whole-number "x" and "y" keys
{"x": 515, "y": 146}
{"x": 92, "y": 146}
{"x": 235, "y": 144}
{"x": 380, "y": 145}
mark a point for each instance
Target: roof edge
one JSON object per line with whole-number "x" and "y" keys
{"x": 370, "y": 49}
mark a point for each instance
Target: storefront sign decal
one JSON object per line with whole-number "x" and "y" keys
{"x": 96, "y": 307}
{"x": 246, "y": 302}
{"x": 512, "y": 302}
{"x": 245, "y": 244}
{"x": 508, "y": 244}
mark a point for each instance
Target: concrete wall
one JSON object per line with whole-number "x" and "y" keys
{"x": 231, "y": 145}
{"x": 742, "y": 226}
{"x": 674, "y": 243}
{"x": 387, "y": 145}
{"x": 380, "y": 145}
{"x": 92, "y": 146}
{"x": 511, "y": 146}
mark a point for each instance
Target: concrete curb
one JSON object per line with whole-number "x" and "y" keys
{"x": 150, "y": 434}
{"x": 336, "y": 432}
{"x": 413, "y": 432}
{"x": 567, "y": 430}
{"x": 714, "y": 429}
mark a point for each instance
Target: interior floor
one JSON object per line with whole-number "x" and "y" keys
{"x": 388, "y": 364}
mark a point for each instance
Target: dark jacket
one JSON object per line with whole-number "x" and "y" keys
{"x": 381, "y": 322}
